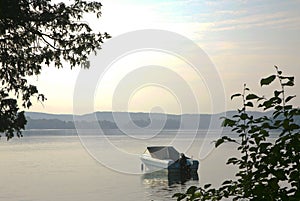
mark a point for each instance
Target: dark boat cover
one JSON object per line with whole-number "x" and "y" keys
{"x": 164, "y": 152}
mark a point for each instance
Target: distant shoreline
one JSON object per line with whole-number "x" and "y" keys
{"x": 128, "y": 120}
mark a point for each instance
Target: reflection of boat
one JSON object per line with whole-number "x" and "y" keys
{"x": 167, "y": 178}
{"x": 167, "y": 157}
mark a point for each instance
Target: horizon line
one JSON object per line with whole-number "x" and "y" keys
{"x": 175, "y": 114}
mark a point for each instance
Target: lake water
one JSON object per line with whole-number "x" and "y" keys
{"x": 57, "y": 165}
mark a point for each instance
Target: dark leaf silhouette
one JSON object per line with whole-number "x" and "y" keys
{"x": 235, "y": 95}
{"x": 251, "y": 97}
{"x": 265, "y": 163}
{"x": 268, "y": 80}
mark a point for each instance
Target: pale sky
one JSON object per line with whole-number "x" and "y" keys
{"x": 244, "y": 40}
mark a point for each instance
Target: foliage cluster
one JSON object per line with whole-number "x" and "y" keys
{"x": 269, "y": 168}
{"x": 35, "y": 33}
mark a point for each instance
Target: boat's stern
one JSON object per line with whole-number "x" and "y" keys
{"x": 192, "y": 164}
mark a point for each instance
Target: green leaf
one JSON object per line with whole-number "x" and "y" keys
{"x": 222, "y": 140}
{"x": 235, "y": 95}
{"x": 289, "y": 98}
{"x": 261, "y": 98}
{"x": 268, "y": 104}
{"x": 177, "y": 195}
{"x": 228, "y": 139}
{"x": 192, "y": 190}
{"x": 288, "y": 107}
{"x": 287, "y": 78}
{"x": 232, "y": 161}
{"x": 253, "y": 149}
{"x": 277, "y": 93}
{"x": 228, "y": 122}
{"x": 251, "y": 97}
{"x": 294, "y": 127}
{"x": 279, "y": 174}
{"x": 249, "y": 104}
{"x": 268, "y": 80}
{"x": 289, "y": 83}
{"x": 219, "y": 142}
{"x": 244, "y": 116}
{"x": 206, "y": 186}
{"x": 286, "y": 124}
{"x": 227, "y": 182}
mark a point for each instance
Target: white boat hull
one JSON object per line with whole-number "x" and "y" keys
{"x": 153, "y": 164}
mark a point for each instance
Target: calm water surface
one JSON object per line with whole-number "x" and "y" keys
{"x": 54, "y": 165}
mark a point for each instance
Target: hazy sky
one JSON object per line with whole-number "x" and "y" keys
{"x": 244, "y": 40}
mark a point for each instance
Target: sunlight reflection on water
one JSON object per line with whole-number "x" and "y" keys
{"x": 53, "y": 165}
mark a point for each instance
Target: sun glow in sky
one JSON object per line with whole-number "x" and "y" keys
{"x": 244, "y": 39}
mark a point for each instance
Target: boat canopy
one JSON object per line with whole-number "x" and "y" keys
{"x": 164, "y": 152}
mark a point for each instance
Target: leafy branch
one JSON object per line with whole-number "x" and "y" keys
{"x": 268, "y": 169}
{"x": 35, "y": 34}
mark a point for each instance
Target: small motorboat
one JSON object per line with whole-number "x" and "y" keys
{"x": 167, "y": 157}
